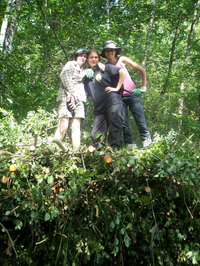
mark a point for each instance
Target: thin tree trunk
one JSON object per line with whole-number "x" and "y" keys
{"x": 172, "y": 57}
{"x": 153, "y": 2}
{"x": 107, "y": 10}
{"x": 189, "y": 46}
{"x": 7, "y": 30}
{"x": 8, "y": 25}
{"x": 199, "y": 106}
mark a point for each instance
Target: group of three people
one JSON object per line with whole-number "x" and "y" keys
{"x": 112, "y": 91}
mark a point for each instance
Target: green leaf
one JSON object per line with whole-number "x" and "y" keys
{"x": 127, "y": 240}
{"x": 117, "y": 220}
{"x": 71, "y": 183}
{"x": 132, "y": 160}
{"x": 122, "y": 231}
{"x": 171, "y": 169}
{"x": 33, "y": 215}
{"x": 50, "y": 179}
{"x": 47, "y": 216}
{"x": 34, "y": 193}
{"x": 129, "y": 226}
{"x": 55, "y": 214}
{"x": 48, "y": 191}
{"x": 115, "y": 250}
{"x": 112, "y": 225}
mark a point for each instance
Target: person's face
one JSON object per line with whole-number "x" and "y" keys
{"x": 81, "y": 59}
{"x": 110, "y": 53}
{"x": 93, "y": 60}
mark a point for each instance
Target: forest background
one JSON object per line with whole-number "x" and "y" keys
{"x": 39, "y": 37}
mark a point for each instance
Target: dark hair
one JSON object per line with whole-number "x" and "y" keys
{"x": 79, "y": 52}
{"x": 110, "y": 45}
{"x": 93, "y": 51}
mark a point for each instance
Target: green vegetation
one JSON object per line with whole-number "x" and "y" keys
{"x": 65, "y": 208}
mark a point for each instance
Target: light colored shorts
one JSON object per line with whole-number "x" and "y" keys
{"x": 78, "y": 112}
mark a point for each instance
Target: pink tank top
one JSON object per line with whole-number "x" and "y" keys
{"x": 128, "y": 83}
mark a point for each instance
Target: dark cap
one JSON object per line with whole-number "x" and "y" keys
{"x": 80, "y": 51}
{"x": 110, "y": 45}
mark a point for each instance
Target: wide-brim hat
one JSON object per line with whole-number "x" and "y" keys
{"x": 110, "y": 45}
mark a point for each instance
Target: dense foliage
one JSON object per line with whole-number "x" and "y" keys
{"x": 157, "y": 34}
{"x": 65, "y": 208}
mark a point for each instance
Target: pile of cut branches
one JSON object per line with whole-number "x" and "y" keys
{"x": 127, "y": 207}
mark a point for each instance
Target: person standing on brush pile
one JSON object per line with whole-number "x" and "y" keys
{"x": 107, "y": 103}
{"x": 129, "y": 94}
{"x": 71, "y": 96}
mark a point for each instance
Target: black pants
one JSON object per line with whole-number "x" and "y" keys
{"x": 110, "y": 119}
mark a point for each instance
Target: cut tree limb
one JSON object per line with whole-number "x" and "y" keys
{"x": 90, "y": 150}
{"x": 6, "y": 153}
{"x": 108, "y": 159}
{"x": 36, "y": 138}
{"x": 15, "y": 169}
{"x": 58, "y": 142}
{"x": 102, "y": 154}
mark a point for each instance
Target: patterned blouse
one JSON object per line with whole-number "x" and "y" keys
{"x": 71, "y": 78}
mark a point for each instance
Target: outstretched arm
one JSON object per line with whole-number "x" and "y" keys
{"x": 122, "y": 75}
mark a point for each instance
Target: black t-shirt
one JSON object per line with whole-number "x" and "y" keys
{"x": 95, "y": 87}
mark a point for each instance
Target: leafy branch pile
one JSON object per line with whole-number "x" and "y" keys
{"x": 127, "y": 207}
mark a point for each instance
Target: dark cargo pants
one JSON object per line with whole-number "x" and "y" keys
{"x": 110, "y": 120}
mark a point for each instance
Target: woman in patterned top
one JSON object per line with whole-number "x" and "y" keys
{"x": 71, "y": 96}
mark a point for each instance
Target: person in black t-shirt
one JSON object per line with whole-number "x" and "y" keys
{"x": 108, "y": 104}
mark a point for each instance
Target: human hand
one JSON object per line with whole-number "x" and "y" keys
{"x": 109, "y": 89}
{"x": 143, "y": 89}
{"x": 89, "y": 73}
{"x": 72, "y": 104}
{"x": 101, "y": 66}
{"x": 136, "y": 92}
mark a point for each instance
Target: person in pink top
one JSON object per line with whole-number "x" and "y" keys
{"x": 129, "y": 94}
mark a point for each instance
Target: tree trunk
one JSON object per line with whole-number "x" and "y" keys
{"x": 7, "y": 30}
{"x": 8, "y": 25}
{"x": 189, "y": 46}
{"x": 107, "y": 9}
{"x": 199, "y": 106}
{"x": 172, "y": 56}
{"x": 153, "y": 2}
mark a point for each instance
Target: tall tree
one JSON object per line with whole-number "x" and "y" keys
{"x": 172, "y": 52}
{"x": 149, "y": 29}
{"x": 187, "y": 57}
{"x": 9, "y": 24}
{"x": 7, "y": 30}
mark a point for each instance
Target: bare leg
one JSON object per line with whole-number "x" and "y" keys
{"x": 76, "y": 133}
{"x": 62, "y": 128}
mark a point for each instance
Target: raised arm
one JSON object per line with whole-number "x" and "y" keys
{"x": 127, "y": 61}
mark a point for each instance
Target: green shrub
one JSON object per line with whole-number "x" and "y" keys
{"x": 65, "y": 208}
